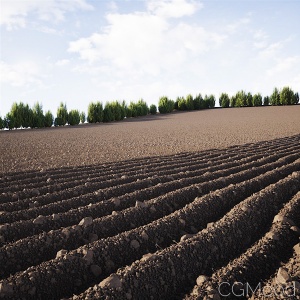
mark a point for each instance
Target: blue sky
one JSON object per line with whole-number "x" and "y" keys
{"x": 78, "y": 51}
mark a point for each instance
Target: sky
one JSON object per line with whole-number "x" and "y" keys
{"x": 82, "y": 51}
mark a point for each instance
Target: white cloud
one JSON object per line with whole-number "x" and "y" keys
{"x": 20, "y": 74}
{"x": 237, "y": 25}
{"x": 173, "y": 8}
{"x": 15, "y": 14}
{"x": 271, "y": 50}
{"x": 260, "y": 39}
{"x": 62, "y": 62}
{"x": 142, "y": 43}
{"x": 112, "y": 6}
{"x": 285, "y": 64}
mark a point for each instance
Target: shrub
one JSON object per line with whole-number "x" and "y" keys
{"x": 266, "y": 100}
{"x": 275, "y": 97}
{"x": 153, "y": 109}
{"x": 286, "y": 96}
{"x": 62, "y": 114}
{"x": 82, "y": 117}
{"x": 189, "y": 102}
{"x": 48, "y": 121}
{"x": 257, "y": 100}
{"x": 74, "y": 117}
{"x": 224, "y": 100}
{"x": 165, "y": 105}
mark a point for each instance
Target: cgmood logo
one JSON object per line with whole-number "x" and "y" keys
{"x": 239, "y": 289}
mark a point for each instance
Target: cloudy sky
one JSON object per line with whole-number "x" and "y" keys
{"x": 78, "y": 51}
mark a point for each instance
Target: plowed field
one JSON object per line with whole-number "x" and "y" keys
{"x": 218, "y": 221}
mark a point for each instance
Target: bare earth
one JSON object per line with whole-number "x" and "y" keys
{"x": 198, "y": 205}
{"x": 147, "y": 136}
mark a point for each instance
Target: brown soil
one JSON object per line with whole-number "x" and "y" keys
{"x": 147, "y": 136}
{"x": 93, "y": 223}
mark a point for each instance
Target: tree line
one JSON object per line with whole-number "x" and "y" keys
{"x": 21, "y": 115}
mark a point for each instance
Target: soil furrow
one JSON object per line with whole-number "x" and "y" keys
{"x": 64, "y": 191}
{"x": 116, "y": 166}
{"x": 26, "y": 228}
{"x": 46, "y": 245}
{"x": 48, "y": 277}
{"x": 245, "y": 273}
{"x": 176, "y": 267}
{"x": 74, "y": 187}
{"x": 18, "y": 191}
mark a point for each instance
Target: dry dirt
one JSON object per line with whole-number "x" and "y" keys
{"x": 212, "y": 212}
{"x": 147, "y": 136}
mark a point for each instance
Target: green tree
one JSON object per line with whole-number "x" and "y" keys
{"x": 266, "y": 100}
{"x": 181, "y": 103}
{"x": 16, "y": 113}
{"x": 165, "y": 105}
{"x": 153, "y": 109}
{"x": 233, "y": 101}
{"x": 116, "y": 108}
{"x": 38, "y": 115}
{"x": 108, "y": 115}
{"x": 95, "y": 112}
{"x": 62, "y": 115}
{"x": 257, "y": 100}
{"x": 82, "y": 117}
{"x": 286, "y": 96}
{"x": 275, "y": 97}
{"x": 58, "y": 122}
{"x": 133, "y": 109}
{"x": 176, "y": 103}
{"x": 74, "y": 117}
{"x": 198, "y": 102}
{"x": 9, "y": 122}
{"x": 48, "y": 121}
{"x": 209, "y": 101}
{"x": 1, "y": 123}
{"x": 249, "y": 100}
{"x": 142, "y": 108}
{"x": 123, "y": 109}
{"x": 241, "y": 99}
{"x": 224, "y": 100}
{"x": 28, "y": 117}
{"x": 128, "y": 112}
{"x": 189, "y": 102}
{"x": 296, "y": 98}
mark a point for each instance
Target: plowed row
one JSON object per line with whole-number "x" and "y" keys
{"x": 168, "y": 227}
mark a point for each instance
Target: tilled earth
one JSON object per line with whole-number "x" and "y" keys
{"x": 218, "y": 223}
